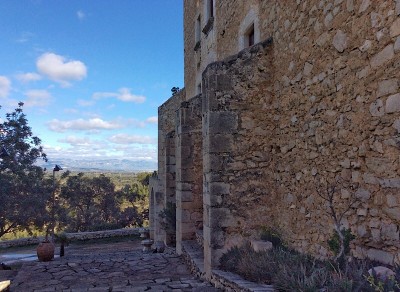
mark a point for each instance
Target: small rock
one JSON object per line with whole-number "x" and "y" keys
{"x": 363, "y": 195}
{"x": 307, "y": 69}
{"x": 381, "y": 272}
{"x": 393, "y": 103}
{"x": 396, "y": 125}
{"x": 395, "y": 28}
{"x": 366, "y": 45}
{"x": 397, "y": 45}
{"x": 350, "y": 5}
{"x": 340, "y": 41}
{"x": 381, "y": 256}
{"x": 376, "y": 108}
{"x": 383, "y": 56}
{"x": 260, "y": 245}
{"x": 376, "y": 19}
{"x": 364, "y": 5}
{"x": 398, "y": 7}
{"x": 386, "y": 87}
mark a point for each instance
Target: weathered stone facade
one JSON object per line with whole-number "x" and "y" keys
{"x": 316, "y": 99}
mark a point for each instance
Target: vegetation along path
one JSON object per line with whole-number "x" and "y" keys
{"x": 115, "y": 266}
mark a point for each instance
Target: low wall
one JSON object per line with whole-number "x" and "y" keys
{"x": 73, "y": 236}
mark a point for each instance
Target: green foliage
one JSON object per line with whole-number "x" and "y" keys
{"x": 252, "y": 265}
{"x": 87, "y": 202}
{"x": 135, "y": 202}
{"x": 391, "y": 283}
{"x": 91, "y": 203}
{"x": 24, "y": 190}
{"x": 288, "y": 270}
{"x": 272, "y": 235}
{"x": 334, "y": 242}
{"x": 62, "y": 237}
{"x": 168, "y": 218}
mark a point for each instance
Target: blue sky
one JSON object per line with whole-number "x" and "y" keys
{"x": 91, "y": 73}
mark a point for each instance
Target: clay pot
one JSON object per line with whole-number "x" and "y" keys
{"x": 45, "y": 251}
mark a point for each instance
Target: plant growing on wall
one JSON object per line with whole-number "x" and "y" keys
{"x": 340, "y": 241}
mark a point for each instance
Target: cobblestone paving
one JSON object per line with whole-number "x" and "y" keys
{"x": 112, "y": 269}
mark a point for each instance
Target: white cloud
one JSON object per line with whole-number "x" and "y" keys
{"x": 130, "y": 139}
{"x": 84, "y": 103}
{"x": 126, "y": 95}
{"x": 25, "y": 37}
{"x": 59, "y": 69}
{"x": 83, "y": 125}
{"x": 71, "y": 111}
{"x": 28, "y": 77}
{"x": 37, "y": 97}
{"x": 73, "y": 140}
{"x": 152, "y": 120}
{"x": 123, "y": 94}
{"x": 81, "y": 15}
{"x": 100, "y": 149}
{"x": 5, "y": 86}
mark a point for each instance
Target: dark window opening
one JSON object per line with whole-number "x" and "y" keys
{"x": 210, "y": 8}
{"x": 250, "y": 36}
{"x": 198, "y": 30}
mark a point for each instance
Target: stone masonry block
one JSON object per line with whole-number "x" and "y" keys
{"x": 395, "y": 28}
{"x": 224, "y": 82}
{"x": 388, "y": 86}
{"x": 212, "y": 199}
{"x": 182, "y": 186}
{"x": 217, "y": 188}
{"x": 221, "y": 143}
{"x": 214, "y": 162}
{"x": 380, "y": 256}
{"x": 221, "y": 217}
{"x": 383, "y": 56}
{"x": 223, "y": 122}
{"x": 393, "y": 103}
{"x": 186, "y": 196}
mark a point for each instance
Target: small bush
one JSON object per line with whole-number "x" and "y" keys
{"x": 289, "y": 270}
{"x": 252, "y": 265}
{"x": 391, "y": 283}
{"x": 334, "y": 242}
{"x": 272, "y": 235}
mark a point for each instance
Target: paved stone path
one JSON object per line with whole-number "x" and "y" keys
{"x": 114, "y": 267}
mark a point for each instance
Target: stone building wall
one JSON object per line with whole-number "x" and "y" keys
{"x": 336, "y": 97}
{"x": 235, "y": 127}
{"x": 189, "y": 165}
{"x": 164, "y": 185}
{"x": 317, "y": 100}
{"x": 199, "y": 42}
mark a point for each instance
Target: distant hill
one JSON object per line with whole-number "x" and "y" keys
{"x": 110, "y": 165}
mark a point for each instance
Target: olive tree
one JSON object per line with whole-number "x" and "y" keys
{"x": 90, "y": 203}
{"x": 24, "y": 190}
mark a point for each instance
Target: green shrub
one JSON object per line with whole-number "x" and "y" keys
{"x": 391, "y": 283}
{"x": 334, "y": 242}
{"x": 289, "y": 270}
{"x": 251, "y": 265}
{"x": 272, "y": 235}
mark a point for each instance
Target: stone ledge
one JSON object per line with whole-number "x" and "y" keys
{"x": 232, "y": 282}
{"x": 73, "y": 236}
{"x": 5, "y": 285}
{"x": 194, "y": 257}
